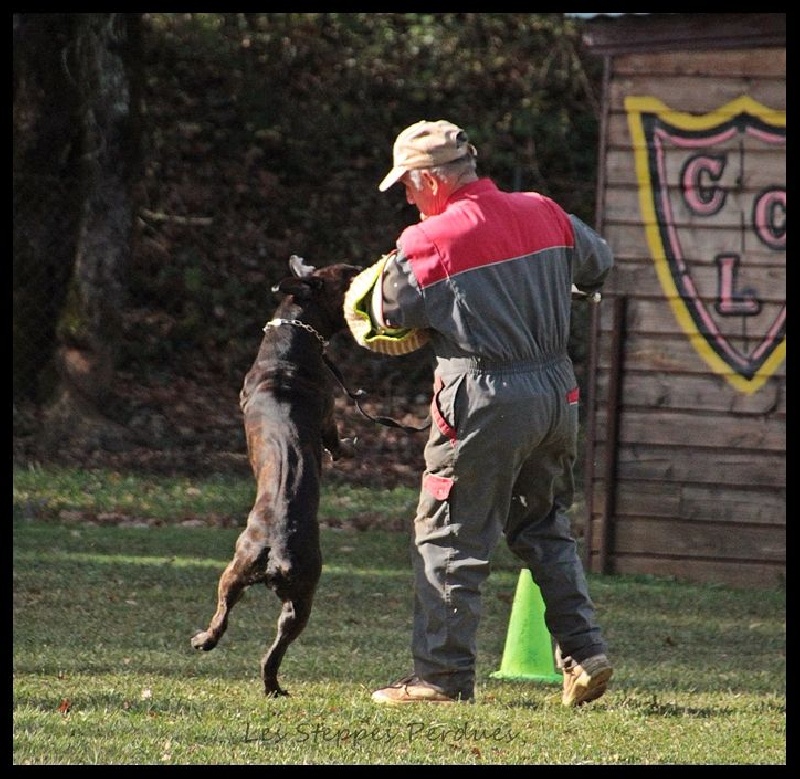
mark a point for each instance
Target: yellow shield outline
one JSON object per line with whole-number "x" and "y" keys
{"x": 635, "y": 107}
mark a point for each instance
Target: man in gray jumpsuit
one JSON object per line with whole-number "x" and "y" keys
{"x": 487, "y": 275}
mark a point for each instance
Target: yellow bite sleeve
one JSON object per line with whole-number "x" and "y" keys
{"x": 365, "y": 332}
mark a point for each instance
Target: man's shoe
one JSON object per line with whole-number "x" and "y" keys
{"x": 411, "y": 689}
{"x": 585, "y": 681}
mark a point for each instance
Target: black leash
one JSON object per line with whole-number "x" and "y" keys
{"x": 356, "y": 397}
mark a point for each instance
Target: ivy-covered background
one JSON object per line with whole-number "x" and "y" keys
{"x": 265, "y": 135}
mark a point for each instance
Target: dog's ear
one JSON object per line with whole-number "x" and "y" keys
{"x": 301, "y": 283}
{"x": 300, "y": 267}
{"x": 301, "y": 288}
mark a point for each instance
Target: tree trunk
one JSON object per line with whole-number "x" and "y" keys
{"x": 46, "y": 202}
{"x": 89, "y": 327}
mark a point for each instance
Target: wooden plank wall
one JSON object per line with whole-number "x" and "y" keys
{"x": 694, "y": 486}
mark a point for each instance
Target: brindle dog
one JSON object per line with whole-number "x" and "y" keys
{"x": 288, "y": 402}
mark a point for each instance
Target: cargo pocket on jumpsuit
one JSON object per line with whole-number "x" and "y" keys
{"x": 433, "y": 513}
{"x": 432, "y": 523}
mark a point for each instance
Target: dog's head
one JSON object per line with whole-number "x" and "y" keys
{"x": 322, "y": 289}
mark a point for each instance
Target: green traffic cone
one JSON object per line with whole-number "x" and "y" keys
{"x": 528, "y": 653}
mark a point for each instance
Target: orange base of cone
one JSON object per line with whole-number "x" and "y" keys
{"x": 528, "y": 653}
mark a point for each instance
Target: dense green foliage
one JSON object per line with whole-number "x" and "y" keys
{"x": 267, "y": 134}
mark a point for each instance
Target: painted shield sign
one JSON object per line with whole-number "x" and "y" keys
{"x": 712, "y": 193}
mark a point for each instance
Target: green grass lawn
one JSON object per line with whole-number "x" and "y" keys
{"x": 103, "y": 671}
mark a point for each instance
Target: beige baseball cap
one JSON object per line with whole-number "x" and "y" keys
{"x": 424, "y": 145}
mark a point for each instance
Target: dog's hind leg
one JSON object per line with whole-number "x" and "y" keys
{"x": 291, "y": 622}
{"x": 248, "y": 560}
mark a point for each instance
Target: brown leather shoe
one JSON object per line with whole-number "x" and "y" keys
{"x": 411, "y": 689}
{"x": 585, "y": 681}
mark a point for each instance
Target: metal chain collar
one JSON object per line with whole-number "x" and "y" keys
{"x": 296, "y": 323}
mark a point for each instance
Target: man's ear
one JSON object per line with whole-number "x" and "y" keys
{"x": 431, "y": 181}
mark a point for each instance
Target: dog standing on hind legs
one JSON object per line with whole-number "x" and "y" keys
{"x": 287, "y": 401}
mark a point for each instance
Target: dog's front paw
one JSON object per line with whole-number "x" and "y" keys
{"x": 203, "y": 640}
{"x": 347, "y": 448}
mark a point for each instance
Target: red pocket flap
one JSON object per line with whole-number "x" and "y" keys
{"x": 573, "y": 396}
{"x": 438, "y": 486}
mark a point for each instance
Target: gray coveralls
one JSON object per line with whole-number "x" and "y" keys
{"x": 491, "y": 278}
